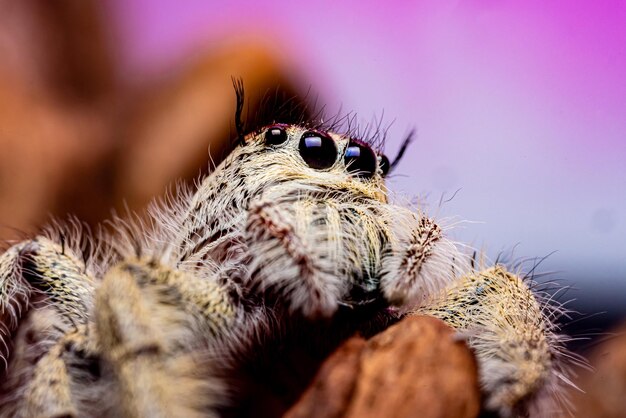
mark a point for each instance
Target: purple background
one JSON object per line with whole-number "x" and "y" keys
{"x": 520, "y": 104}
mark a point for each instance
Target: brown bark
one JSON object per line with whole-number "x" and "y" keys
{"x": 415, "y": 368}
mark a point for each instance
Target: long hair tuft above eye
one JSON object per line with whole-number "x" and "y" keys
{"x": 280, "y": 104}
{"x": 405, "y": 144}
{"x": 240, "y": 100}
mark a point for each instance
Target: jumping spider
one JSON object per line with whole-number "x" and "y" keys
{"x": 290, "y": 240}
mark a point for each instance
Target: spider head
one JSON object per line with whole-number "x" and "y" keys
{"x": 317, "y": 221}
{"x": 313, "y": 223}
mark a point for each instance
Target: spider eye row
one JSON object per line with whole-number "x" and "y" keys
{"x": 319, "y": 151}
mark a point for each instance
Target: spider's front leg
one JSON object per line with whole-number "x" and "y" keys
{"x": 510, "y": 331}
{"x": 157, "y": 329}
{"x": 292, "y": 257}
{"x": 46, "y": 290}
{"x": 420, "y": 259}
{"x": 42, "y": 271}
{"x": 519, "y": 353}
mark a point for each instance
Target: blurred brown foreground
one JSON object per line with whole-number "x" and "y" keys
{"x": 76, "y": 138}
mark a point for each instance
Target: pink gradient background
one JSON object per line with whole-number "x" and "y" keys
{"x": 521, "y": 104}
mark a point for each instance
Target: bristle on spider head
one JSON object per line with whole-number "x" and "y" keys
{"x": 240, "y": 100}
{"x": 405, "y": 144}
{"x": 276, "y": 105}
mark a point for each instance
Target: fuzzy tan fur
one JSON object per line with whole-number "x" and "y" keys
{"x": 139, "y": 323}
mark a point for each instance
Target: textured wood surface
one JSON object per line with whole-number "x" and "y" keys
{"x": 415, "y": 368}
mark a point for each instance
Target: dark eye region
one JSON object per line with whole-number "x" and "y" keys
{"x": 360, "y": 159}
{"x": 275, "y": 135}
{"x": 318, "y": 150}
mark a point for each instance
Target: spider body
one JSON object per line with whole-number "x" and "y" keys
{"x": 291, "y": 239}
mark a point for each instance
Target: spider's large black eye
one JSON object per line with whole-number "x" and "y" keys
{"x": 385, "y": 165}
{"x": 275, "y": 135}
{"x": 360, "y": 160}
{"x": 318, "y": 150}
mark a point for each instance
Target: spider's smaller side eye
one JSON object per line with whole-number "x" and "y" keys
{"x": 385, "y": 165}
{"x": 360, "y": 159}
{"x": 318, "y": 150}
{"x": 275, "y": 135}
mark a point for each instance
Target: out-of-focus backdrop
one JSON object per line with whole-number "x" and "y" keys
{"x": 520, "y": 110}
